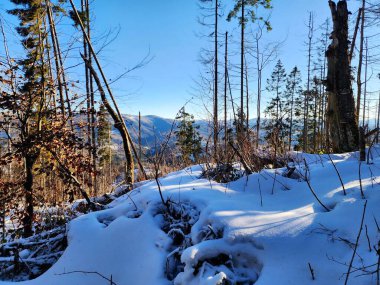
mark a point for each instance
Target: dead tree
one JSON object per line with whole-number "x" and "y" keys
{"x": 216, "y": 80}
{"x": 360, "y": 64}
{"x": 225, "y": 90}
{"x": 310, "y": 27}
{"x": 118, "y": 123}
{"x": 341, "y": 113}
{"x": 115, "y": 114}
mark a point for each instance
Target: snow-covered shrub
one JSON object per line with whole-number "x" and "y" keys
{"x": 222, "y": 173}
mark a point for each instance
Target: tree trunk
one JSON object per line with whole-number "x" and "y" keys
{"x": 139, "y": 138}
{"x": 216, "y": 129}
{"x": 291, "y": 113}
{"x": 28, "y": 188}
{"x": 60, "y": 71}
{"x": 119, "y": 125}
{"x": 259, "y": 69}
{"x": 225, "y": 91}
{"x": 343, "y": 127}
{"x": 307, "y": 94}
{"x": 242, "y": 65}
{"x": 247, "y": 99}
{"x": 360, "y": 64}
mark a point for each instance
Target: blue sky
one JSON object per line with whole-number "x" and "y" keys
{"x": 167, "y": 30}
{"x": 170, "y": 30}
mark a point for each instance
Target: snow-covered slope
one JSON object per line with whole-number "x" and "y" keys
{"x": 264, "y": 228}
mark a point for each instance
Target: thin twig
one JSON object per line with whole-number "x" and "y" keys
{"x": 377, "y": 225}
{"x": 261, "y": 195}
{"x": 356, "y": 244}
{"x": 311, "y": 271}
{"x": 378, "y": 264}
{"x": 360, "y": 180}
{"x": 312, "y": 191}
{"x": 369, "y": 242}
{"x": 89, "y": 272}
{"x": 337, "y": 172}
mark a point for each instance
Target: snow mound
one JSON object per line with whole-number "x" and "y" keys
{"x": 263, "y": 229}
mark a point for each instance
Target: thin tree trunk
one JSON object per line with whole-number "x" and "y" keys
{"x": 225, "y": 91}
{"x": 92, "y": 99}
{"x": 119, "y": 125}
{"x": 355, "y": 34}
{"x": 110, "y": 154}
{"x": 315, "y": 123}
{"x": 378, "y": 119}
{"x": 29, "y": 161}
{"x": 88, "y": 102}
{"x": 291, "y": 113}
{"x": 365, "y": 81}
{"x": 306, "y": 105}
{"x": 53, "y": 97}
{"x": 130, "y": 142}
{"x": 324, "y": 101}
{"x": 258, "y": 94}
{"x": 277, "y": 121}
{"x": 242, "y": 65}
{"x": 216, "y": 82}
{"x": 247, "y": 99}
{"x": 56, "y": 61}
{"x": 61, "y": 70}
{"x": 320, "y": 109}
{"x": 359, "y": 75}
{"x": 139, "y": 137}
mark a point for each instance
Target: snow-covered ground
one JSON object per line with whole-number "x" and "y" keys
{"x": 264, "y": 228}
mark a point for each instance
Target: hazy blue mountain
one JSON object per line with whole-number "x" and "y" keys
{"x": 154, "y": 129}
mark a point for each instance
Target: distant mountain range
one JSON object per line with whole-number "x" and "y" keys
{"x": 154, "y": 129}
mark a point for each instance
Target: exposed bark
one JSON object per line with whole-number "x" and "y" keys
{"x": 119, "y": 125}
{"x": 355, "y": 33}
{"x": 291, "y": 112}
{"x": 216, "y": 131}
{"x": 60, "y": 71}
{"x": 242, "y": 65}
{"x": 91, "y": 120}
{"x": 57, "y": 66}
{"x": 139, "y": 138}
{"x": 247, "y": 98}
{"x": 359, "y": 74}
{"x": 341, "y": 115}
{"x": 29, "y": 161}
{"x": 116, "y": 112}
{"x": 307, "y": 94}
{"x": 378, "y": 120}
{"x": 225, "y": 90}
{"x": 365, "y": 83}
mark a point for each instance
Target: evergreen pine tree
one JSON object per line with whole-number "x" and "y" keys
{"x": 188, "y": 138}
{"x": 276, "y": 125}
{"x": 292, "y": 105}
{"x": 34, "y": 94}
{"x": 103, "y": 137}
{"x": 309, "y": 114}
{"x": 104, "y": 149}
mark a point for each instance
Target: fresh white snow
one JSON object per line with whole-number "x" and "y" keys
{"x": 273, "y": 242}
